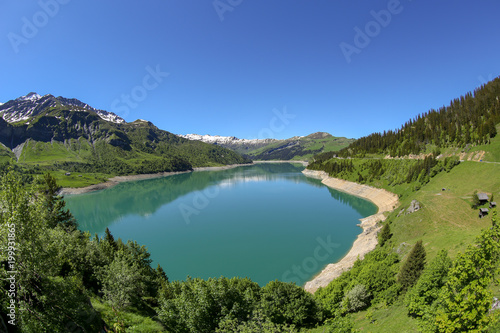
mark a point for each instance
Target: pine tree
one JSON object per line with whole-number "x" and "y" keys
{"x": 110, "y": 239}
{"x": 413, "y": 266}
{"x": 385, "y": 234}
{"x": 55, "y": 205}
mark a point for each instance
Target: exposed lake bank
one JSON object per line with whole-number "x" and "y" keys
{"x": 367, "y": 240}
{"x": 120, "y": 179}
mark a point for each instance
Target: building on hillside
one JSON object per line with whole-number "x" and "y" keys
{"x": 483, "y": 198}
{"x": 483, "y": 212}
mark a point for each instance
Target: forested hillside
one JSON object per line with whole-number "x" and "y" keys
{"x": 423, "y": 277}
{"x": 300, "y": 148}
{"x": 470, "y": 119}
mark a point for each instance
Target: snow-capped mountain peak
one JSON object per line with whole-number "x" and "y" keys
{"x": 224, "y": 140}
{"x": 32, "y": 96}
{"x": 33, "y": 104}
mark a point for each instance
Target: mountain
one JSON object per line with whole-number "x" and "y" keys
{"x": 71, "y": 135}
{"x": 295, "y": 148}
{"x": 32, "y": 104}
{"x": 241, "y": 146}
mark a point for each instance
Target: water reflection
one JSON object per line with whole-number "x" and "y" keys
{"x": 97, "y": 210}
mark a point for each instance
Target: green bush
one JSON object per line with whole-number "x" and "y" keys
{"x": 286, "y": 303}
{"x": 356, "y": 299}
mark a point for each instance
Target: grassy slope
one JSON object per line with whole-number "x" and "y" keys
{"x": 308, "y": 144}
{"x": 135, "y": 143}
{"x": 6, "y": 154}
{"x": 446, "y": 221}
{"x": 492, "y": 150}
{"x": 46, "y": 153}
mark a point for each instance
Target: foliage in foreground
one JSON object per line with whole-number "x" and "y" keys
{"x": 59, "y": 268}
{"x": 198, "y": 305}
{"x": 444, "y": 296}
{"x": 69, "y": 281}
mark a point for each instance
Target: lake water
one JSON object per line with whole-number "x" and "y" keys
{"x": 265, "y": 222}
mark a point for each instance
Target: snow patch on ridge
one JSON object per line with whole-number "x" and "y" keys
{"x": 223, "y": 139}
{"x": 30, "y": 97}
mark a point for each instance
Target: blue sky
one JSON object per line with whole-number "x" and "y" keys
{"x": 252, "y": 68}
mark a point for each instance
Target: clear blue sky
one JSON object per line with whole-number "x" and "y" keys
{"x": 231, "y": 70}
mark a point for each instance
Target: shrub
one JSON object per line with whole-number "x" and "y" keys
{"x": 356, "y": 299}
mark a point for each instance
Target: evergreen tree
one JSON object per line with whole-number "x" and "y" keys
{"x": 385, "y": 234}
{"x": 422, "y": 296}
{"x": 161, "y": 273}
{"x": 55, "y": 205}
{"x": 108, "y": 237}
{"x": 412, "y": 267}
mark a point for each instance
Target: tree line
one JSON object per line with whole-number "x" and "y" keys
{"x": 470, "y": 119}
{"x": 391, "y": 171}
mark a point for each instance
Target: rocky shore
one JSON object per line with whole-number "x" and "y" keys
{"x": 367, "y": 240}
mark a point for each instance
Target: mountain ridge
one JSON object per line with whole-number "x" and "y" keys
{"x": 297, "y": 147}
{"x": 33, "y": 104}
{"x": 67, "y": 134}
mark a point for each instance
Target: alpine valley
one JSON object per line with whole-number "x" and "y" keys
{"x": 67, "y": 136}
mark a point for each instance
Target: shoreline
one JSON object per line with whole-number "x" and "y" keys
{"x": 304, "y": 163}
{"x": 367, "y": 240}
{"x": 120, "y": 179}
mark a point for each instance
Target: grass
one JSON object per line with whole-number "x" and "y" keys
{"x": 309, "y": 144}
{"x": 46, "y": 153}
{"x": 445, "y": 221}
{"x": 385, "y": 319}
{"x": 74, "y": 179}
{"x": 133, "y": 320}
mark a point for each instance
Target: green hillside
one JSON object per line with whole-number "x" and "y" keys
{"x": 443, "y": 176}
{"x": 78, "y": 140}
{"x": 300, "y": 148}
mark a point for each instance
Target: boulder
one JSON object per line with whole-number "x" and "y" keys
{"x": 414, "y": 206}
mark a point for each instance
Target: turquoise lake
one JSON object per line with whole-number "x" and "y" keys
{"x": 265, "y": 221}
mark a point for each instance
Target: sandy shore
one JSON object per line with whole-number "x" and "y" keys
{"x": 367, "y": 240}
{"x": 120, "y": 179}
